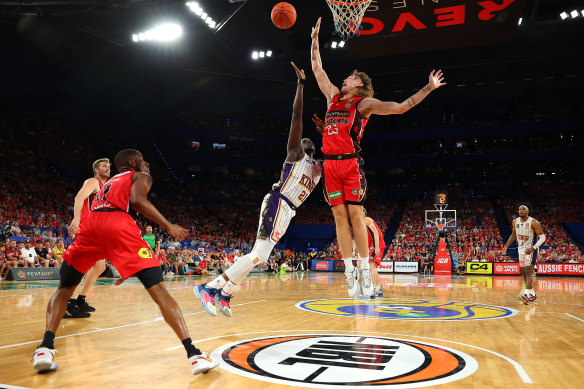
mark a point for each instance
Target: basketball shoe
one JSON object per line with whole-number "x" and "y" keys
{"x": 43, "y": 360}
{"x": 523, "y": 298}
{"x": 207, "y": 298}
{"x": 202, "y": 363}
{"x": 222, "y": 302}
{"x": 352, "y": 278}
{"x": 84, "y": 307}
{"x": 366, "y": 282}
{"x": 532, "y": 298}
{"x": 73, "y": 312}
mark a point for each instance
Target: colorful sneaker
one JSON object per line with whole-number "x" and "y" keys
{"x": 222, "y": 302}
{"x": 202, "y": 363}
{"x": 367, "y": 282}
{"x": 73, "y": 312}
{"x": 523, "y": 298}
{"x": 43, "y": 360}
{"x": 532, "y": 298}
{"x": 207, "y": 298}
{"x": 352, "y": 279}
{"x": 84, "y": 307}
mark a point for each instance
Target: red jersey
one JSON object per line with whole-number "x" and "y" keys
{"x": 88, "y": 201}
{"x": 115, "y": 193}
{"x": 343, "y": 126}
{"x": 371, "y": 237}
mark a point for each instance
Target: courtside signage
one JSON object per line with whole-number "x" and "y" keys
{"x": 405, "y": 267}
{"x": 406, "y": 309}
{"x": 507, "y": 268}
{"x": 322, "y": 265}
{"x": 479, "y": 268}
{"x": 339, "y": 361}
{"x": 561, "y": 268}
{"x": 385, "y": 267}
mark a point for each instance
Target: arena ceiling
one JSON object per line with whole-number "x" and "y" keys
{"x": 59, "y": 43}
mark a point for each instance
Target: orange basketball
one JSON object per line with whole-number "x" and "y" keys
{"x": 283, "y": 15}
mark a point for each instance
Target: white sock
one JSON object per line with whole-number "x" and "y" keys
{"x": 227, "y": 288}
{"x": 348, "y": 264}
{"x": 364, "y": 263}
{"x": 217, "y": 283}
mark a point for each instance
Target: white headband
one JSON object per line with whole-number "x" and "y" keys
{"x": 522, "y": 205}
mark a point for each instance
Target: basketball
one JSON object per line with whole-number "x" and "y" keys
{"x": 283, "y": 15}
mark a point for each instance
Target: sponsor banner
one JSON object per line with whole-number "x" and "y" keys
{"x": 573, "y": 285}
{"x": 338, "y": 265}
{"x": 506, "y": 268}
{"x": 33, "y": 273}
{"x": 385, "y": 267}
{"x": 479, "y": 282}
{"x": 572, "y": 269}
{"x": 344, "y": 360}
{"x": 405, "y": 278}
{"x": 405, "y": 267}
{"x": 479, "y": 268}
{"x": 442, "y": 263}
{"x": 322, "y": 265}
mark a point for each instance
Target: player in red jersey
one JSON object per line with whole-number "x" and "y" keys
{"x": 376, "y": 250}
{"x": 348, "y": 111}
{"x": 77, "y": 307}
{"x": 109, "y": 222}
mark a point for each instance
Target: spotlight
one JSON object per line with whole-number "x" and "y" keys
{"x": 269, "y": 53}
{"x": 255, "y": 55}
{"x": 563, "y": 15}
{"x": 262, "y": 54}
{"x": 342, "y": 44}
{"x": 135, "y": 37}
{"x": 520, "y": 21}
{"x": 334, "y": 45}
{"x": 574, "y": 14}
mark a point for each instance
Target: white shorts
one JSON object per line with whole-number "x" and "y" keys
{"x": 275, "y": 217}
{"x": 526, "y": 259}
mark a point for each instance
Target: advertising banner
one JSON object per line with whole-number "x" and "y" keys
{"x": 385, "y": 267}
{"x": 479, "y": 268}
{"x": 322, "y": 265}
{"x": 33, "y": 273}
{"x": 405, "y": 267}
{"x": 507, "y": 268}
{"x": 442, "y": 263}
{"x": 572, "y": 269}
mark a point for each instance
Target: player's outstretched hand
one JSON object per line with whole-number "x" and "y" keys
{"x": 177, "y": 231}
{"x": 119, "y": 281}
{"x": 315, "y": 29}
{"x": 435, "y": 79}
{"x": 319, "y": 123}
{"x": 299, "y": 73}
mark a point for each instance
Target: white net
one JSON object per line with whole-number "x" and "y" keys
{"x": 347, "y": 16}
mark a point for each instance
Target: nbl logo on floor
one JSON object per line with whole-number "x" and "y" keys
{"x": 318, "y": 361}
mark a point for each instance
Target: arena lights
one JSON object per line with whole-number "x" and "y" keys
{"x": 573, "y": 14}
{"x": 261, "y": 54}
{"x": 197, "y": 10}
{"x": 336, "y": 44}
{"x": 162, "y": 33}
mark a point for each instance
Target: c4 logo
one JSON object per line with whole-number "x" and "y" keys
{"x": 145, "y": 253}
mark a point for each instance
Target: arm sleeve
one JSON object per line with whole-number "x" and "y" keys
{"x": 539, "y": 241}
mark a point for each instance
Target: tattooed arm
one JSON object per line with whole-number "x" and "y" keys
{"x": 371, "y": 106}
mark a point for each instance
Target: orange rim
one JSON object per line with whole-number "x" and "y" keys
{"x": 350, "y": 3}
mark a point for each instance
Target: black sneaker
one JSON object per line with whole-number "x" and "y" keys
{"x": 84, "y": 307}
{"x": 75, "y": 313}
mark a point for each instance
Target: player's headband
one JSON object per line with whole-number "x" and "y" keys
{"x": 522, "y": 205}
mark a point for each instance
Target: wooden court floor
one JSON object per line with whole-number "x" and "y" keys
{"x": 299, "y": 329}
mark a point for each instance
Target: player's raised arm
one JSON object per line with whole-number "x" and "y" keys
{"x": 371, "y": 106}
{"x": 511, "y": 240}
{"x": 142, "y": 182}
{"x": 325, "y": 85}
{"x": 90, "y": 186}
{"x": 294, "y": 149}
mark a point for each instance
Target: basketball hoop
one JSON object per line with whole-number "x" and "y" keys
{"x": 440, "y": 227}
{"x": 348, "y": 16}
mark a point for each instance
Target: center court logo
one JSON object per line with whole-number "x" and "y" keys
{"x": 406, "y": 309}
{"x": 338, "y": 361}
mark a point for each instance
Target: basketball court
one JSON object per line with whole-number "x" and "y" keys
{"x": 457, "y": 332}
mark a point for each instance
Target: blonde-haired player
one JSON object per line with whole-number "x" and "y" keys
{"x": 524, "y": 230}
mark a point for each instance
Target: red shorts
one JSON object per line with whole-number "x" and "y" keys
{"x": 344, "y": 181}
{"x": 111, "y": 235}
{"x": 377, "y": 259}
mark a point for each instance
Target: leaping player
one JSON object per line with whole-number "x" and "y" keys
{"x": 300, "y": 175}
{"x": 524, "y": 230}
{"x": 348, "y": 112}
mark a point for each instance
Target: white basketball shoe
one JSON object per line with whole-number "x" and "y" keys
{"x": 43, "y": 360}
{"x": 202, "y": 363}
{"x": 367, "y": 282}
{"x": 353, "y": 282}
